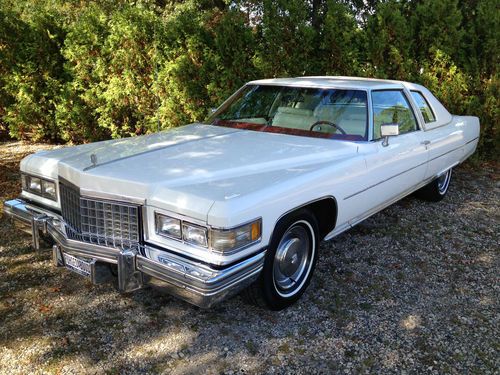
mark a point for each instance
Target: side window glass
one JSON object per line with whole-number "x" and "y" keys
{"x": 423, "y": 106}
{"x": 392, "y": 107}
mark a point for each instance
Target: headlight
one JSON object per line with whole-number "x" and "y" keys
{"x": 221, "y": 240}
{"x": 226, "y": 240}
{"x": 194, "y": 234}
{"x": 168, "y": 226}
{"x": 35, "y": 185}
{"x": 49, "y": 190}
{"x": 39, "y": 186}
{"x": 176, "y": 229}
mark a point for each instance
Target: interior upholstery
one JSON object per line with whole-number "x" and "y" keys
{"x": 297, "y": 118}
{"x": 350, "y": 118}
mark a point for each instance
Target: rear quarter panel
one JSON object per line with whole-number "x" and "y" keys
{"x": 451, "y": 144}
{"x": 471, "y": 128}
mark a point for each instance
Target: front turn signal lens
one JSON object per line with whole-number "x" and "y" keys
{"x": 255, "y": 231}
{"x": 229, "y": 240}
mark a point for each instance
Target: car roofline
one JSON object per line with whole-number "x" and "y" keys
{"x": 332, "y": 82}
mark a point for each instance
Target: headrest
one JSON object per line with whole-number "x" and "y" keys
{"x": 295, "y": 111}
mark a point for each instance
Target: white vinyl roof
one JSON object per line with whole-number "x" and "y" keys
{"x": 328, "y": 81}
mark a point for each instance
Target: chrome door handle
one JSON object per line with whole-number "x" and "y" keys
{"x": 425, "y": 143}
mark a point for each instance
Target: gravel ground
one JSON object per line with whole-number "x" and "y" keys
{"x": 414, "y": 289}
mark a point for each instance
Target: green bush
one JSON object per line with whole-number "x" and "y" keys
{"x": 90, "y": 70}
{"x": 31, "y": 73}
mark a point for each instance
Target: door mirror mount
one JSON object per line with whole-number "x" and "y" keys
{"x": 388, "y": 130}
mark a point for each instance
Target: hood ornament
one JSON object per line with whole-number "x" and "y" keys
{"x": 93, "y": 159}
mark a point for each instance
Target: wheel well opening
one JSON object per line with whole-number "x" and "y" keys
{"x": 325, "y": 211}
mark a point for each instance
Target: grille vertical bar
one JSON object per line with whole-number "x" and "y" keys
{"x": 70, "y": 204}
{"x": 106, "y": 223}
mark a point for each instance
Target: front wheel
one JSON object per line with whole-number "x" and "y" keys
{"x": 289, "y": 264}
{"x": 437, "y": 188}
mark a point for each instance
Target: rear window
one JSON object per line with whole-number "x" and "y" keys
{"x": 423, "y": 106}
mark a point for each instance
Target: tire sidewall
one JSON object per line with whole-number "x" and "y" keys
{"x": 431, "y": 191}
{"x": 449, "y": 175}
{"x": 272, "y": 297}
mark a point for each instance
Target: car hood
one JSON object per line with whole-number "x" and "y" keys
{"x": 187, "y": 169}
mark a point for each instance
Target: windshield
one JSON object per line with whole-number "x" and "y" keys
{"x": 313, "y": 112}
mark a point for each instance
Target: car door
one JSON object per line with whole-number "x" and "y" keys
{"x": 396, "y": 168}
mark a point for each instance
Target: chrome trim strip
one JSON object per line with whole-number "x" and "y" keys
{"x": 387, "y": 179}
{"x": 439, "y": 174}
{"x": 198, "y": 277}
{"x": 337, "y": 230}
{"x": 472, "y": 140}
{"x": 380, "y": 207}
{"x": 306, "y": 204}
{"x": 407, "y": 170}
{"x": 366, "y": 215}
{"x": 370, "y": 116}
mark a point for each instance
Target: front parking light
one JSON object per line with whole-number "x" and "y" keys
{"x": 227, "y": 240}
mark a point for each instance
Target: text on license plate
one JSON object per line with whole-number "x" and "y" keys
{"x": 77, "y": 265}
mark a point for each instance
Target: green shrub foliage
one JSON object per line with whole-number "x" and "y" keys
{"x": 90, "y": 70}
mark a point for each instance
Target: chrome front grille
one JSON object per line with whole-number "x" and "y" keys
{"x": 102, "y": 222}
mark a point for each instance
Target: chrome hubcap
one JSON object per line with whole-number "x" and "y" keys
{"x": 292, "y": 260}
{"x": 443, "y": 182}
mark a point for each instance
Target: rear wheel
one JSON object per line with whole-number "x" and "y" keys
{"x": 289, "y": 263}
{"x": 436, "y": 189}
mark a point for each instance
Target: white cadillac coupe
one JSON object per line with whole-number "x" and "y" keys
{"x": 241, "y": 201}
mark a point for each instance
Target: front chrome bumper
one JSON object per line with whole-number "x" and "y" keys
{"x": 189, "y": 280}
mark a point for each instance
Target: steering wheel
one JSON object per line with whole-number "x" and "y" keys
{"x": 329, "y": 123}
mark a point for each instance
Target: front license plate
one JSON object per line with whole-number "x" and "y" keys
{"x": 80, "y": 266}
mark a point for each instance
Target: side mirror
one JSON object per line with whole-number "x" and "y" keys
{"x": 388, "y": 130}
